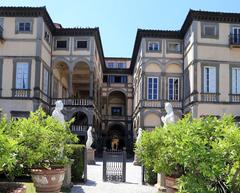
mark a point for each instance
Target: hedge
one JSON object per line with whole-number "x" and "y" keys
{"x": 78, "y": 164}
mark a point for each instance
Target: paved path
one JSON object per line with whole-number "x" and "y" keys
{"x": 96, "y": 185}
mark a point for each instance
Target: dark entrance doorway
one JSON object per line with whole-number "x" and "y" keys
{"x": 115, "y": 137}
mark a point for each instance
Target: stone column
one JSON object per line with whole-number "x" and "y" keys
{"x": 91, "y": 85}
{"x": 70, "y": 91}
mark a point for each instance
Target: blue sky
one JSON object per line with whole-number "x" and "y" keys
{"x": 119, "y": 20}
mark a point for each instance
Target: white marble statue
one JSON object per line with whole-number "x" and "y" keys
{"x": 57, "y": 114}
{"x": 139, "y": 136}
{"x": 89, "y": 138}
{"x": 169, "y": 118}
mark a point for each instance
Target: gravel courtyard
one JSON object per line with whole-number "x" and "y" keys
{"x": 96, "y": 185}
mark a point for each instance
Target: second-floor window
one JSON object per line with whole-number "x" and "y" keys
{"x": 45, "y": 81}
{"x": 82, "y": 44}
{"x": 116, "y": 111}
{"x": 209, "y": 79}
{"x": 209, "y": 30}
{"x": 236, "y": 81}
{"x": 61, "y": 44}
{"x": 173, "y": 88}
{"x": 174, "y": 47}
{"x": 235, "y": 35}
{"x": 152, "y": 91}
{"x": 47, "y": 37}
{"x": 153, "y": 46}
{"x": 24, "y": 27}
{"x": 22, "y": 75}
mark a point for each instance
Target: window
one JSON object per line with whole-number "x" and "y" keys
{"x": 82, "y": 44}
{"x": 24, "y": 27}
{"x": 45, "y": 80}
{"x": 62, "y": 44}
{"x": 110, "y": 65}
{"x": 116, "y": 111}
{"x": 121, "y": 65}
{"x": 22, "y": 75}
{"x": 173, "y": 88}
{"x": 152, "y": 88}
{"x": 1, "y": 28}
{"x": 47, "y": 37}
{"x": 174, "y": 47}
{"x": 209, "y": 79}
{"x": 117, "y": 79}
{"x": 153, "y": 46}
{"x": 236, "y": 35}
{"x": 209, "y": 30}
{"x": 236, "y": 81}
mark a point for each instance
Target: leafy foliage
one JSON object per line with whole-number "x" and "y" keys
{"x": 7, "y": 147}
{"x": 42, "y": 141}
{"x": 204, "y": 152}
{"x": 78, "y": 164}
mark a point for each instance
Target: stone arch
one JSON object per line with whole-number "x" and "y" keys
{"x": 118, "y": 99}
{"x": 83, "y": 110}
{"x": 152, "y": 118}
{"x": 81, "y": 79}
{"x": 118, "y": 90}
{"x": 60, "y": 60}
{"x": 84, "y": 60}
{"x": 153, "y": 66}
{"x": 174, "y": 67}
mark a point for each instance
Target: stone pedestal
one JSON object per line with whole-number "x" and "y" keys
{"x": 136, "y": 161}
{"x": 67, "y": 182}
{"x": 160, "y": 182}
{"x": 90, "y": 156}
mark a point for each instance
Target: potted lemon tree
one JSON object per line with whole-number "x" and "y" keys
{"x": 8, "y": 161}
{"x": 43, "y": 148}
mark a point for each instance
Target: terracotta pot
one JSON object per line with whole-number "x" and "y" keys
{"x": 48, "y": 181}
{"x": 171, "y": 184}
{"x": 13, "y": 187}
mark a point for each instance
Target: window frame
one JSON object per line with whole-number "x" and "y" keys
{"x": 45, "y": 69}
{"x": 178, "y": 88}
{"x": 174, "y": 51}
{"x": 23, "y": 20}
{"x": 61, "y": 39}
{"x": 77, "y": 39}
{"x": 15, "y": 62}
{"x": 119, "y": 108}
{"x": 159, "y": 42}
{"x": 231, "y": 67}
{"x": 217, "y": 76}
{"x": 152, "y": 77}
{"x": 208, "y": 24}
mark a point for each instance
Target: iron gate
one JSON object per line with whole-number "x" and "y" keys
{"x": 114, "y": 165}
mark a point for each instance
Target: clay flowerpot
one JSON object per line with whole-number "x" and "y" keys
{"x": 12, "y": 187}
{"x": 48, "y": 181}
{"x": 171, "y": 184}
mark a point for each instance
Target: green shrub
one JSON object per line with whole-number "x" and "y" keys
{"x": 42, "y": 141}
{"x": 150, "y": 176}
{"x": 204, "y": 153}
{"x": 8, "y": 149}
{"x": 78, "y": 164}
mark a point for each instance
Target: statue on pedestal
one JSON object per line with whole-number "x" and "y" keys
{"x": 89, "y": 138}
{"x": 139, "y": 136}
{"x": 57, "y": 114}
{"x": 169, "y": 118}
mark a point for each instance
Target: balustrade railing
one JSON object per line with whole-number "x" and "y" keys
{"x": 160, "y": 103}
{"x": 73, "y": 101}
{"x": 209, "y": 97}
{"x": 234, "y": 97}
{"x": 79, "y": 128}
{"x": 21, "y": 93}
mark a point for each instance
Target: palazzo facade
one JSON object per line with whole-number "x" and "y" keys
{"x": 196, "y": 69}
